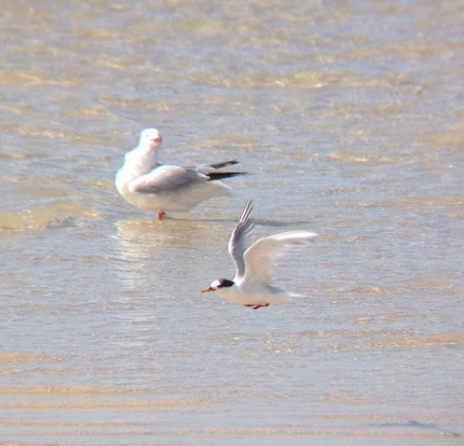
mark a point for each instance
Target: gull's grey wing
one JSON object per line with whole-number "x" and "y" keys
{"x": 240, "y": 238}
{"x": 259, "y": 256}
{"x": 166, "y": 179}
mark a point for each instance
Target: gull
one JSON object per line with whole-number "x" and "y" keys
{"x": 251, "y": 286}
{"x": 148, "y": 185}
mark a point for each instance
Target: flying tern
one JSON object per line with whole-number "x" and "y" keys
{"x": 251, "y": 286}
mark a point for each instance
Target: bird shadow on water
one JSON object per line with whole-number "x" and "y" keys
{"x": 284, "y": 224}
{"x": 262, "y": 222}
{"x": 430, "y": 426}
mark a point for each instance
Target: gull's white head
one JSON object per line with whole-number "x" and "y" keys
{"x": 150, "y": 138}
{"x": 218, "y": 284}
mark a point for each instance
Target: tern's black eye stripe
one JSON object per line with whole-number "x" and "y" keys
{"x": 225, "y": 283}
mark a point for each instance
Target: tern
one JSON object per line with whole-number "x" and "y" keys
{"x": 251, "y": 286}
{"x": 148, "y": 185}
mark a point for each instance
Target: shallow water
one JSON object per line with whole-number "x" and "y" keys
{"x": 348, "y": 117}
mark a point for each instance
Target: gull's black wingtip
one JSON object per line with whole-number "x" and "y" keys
{"x": 224, "y": 164}
{"x": 221, "y": 175}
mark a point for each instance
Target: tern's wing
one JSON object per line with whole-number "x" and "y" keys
{"x": 240, "y": 239}
{"x": 259, "y": 256}
{"x": 166, "y": 179}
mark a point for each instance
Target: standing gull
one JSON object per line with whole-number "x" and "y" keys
{"x": 252, "y": 283}
{"x": 148, "y": 185}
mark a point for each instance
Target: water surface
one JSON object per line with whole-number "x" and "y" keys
{"x": 348, "y": 117}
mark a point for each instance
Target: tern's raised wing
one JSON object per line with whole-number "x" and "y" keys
{"x": 259, "y": 256}
{"x": 166, "y": 179}
{"x": 240, "y": 239}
